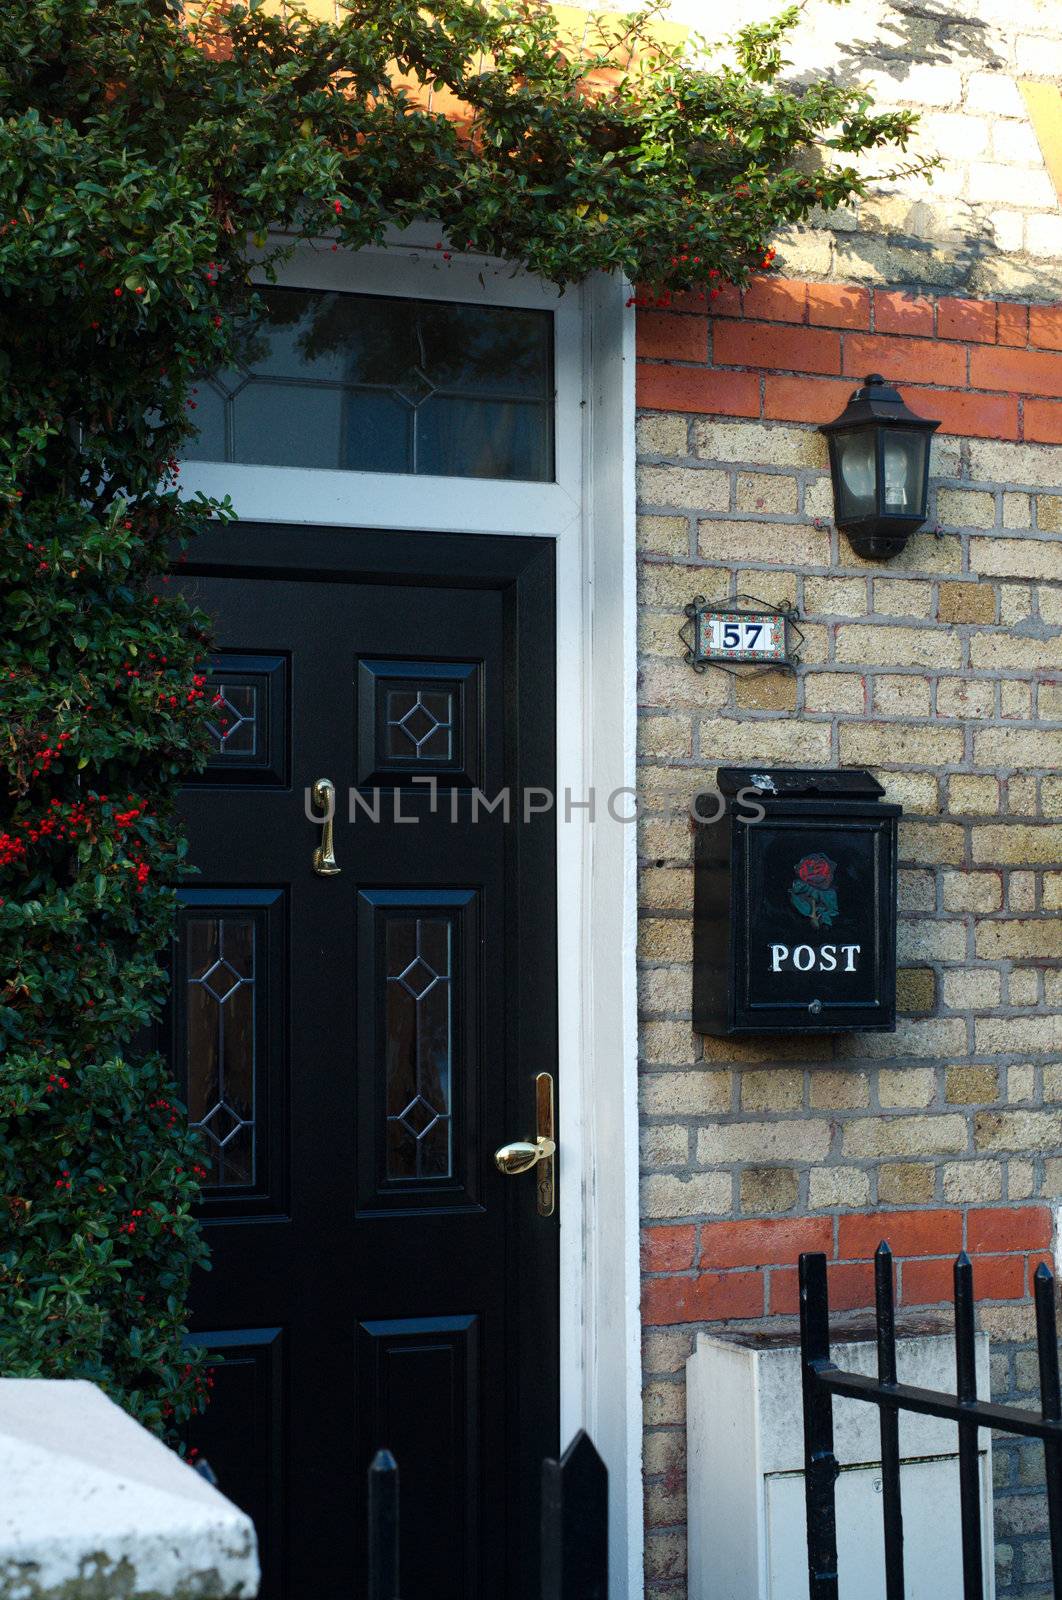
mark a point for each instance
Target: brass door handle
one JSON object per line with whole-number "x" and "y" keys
{"x": 540, "y": 1152}
{"x": 324, "y": 859}
{"x": 521, "y": 1156}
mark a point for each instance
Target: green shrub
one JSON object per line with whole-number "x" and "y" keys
{"x": 141, "y": 149}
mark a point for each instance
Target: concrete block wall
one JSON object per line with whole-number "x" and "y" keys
{"x": 940, "y": 670}
{"x": 985, "y": 81}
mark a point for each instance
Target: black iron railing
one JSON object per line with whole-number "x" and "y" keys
{"x": 822, "y": 1380}
{"x": 383, "y": 1527}
{"x": 574, "y": 1525}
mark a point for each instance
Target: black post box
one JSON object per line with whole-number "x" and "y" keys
{"x": 795, "y": 904}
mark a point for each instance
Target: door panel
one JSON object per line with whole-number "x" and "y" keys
{"x": 356, "y": 1047}
{"x": 421, "y": 968}
{"x": 231, "y": 982}
{"x": 242, "y": 1434}
{"x": 417, "y": 719}
{"x": 419, "y": 1383}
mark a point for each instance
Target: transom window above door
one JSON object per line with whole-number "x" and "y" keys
{"x": 373, "y": 383}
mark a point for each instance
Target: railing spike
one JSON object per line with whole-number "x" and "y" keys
{"x": 575, "y": 1524}
{"x": 889, "y": 1423}
{"x": 1050, "y": 1408}
{"x": 820, "y": 1463}
{"x": 969, "y": 1464}
{"x": 383, "y": 1527}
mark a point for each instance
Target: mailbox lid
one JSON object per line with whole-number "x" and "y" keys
{"x": 813, "y": 913}
{"x": 800, "y": 783}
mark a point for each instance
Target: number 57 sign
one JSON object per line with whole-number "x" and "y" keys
{"x": 730, "y": 635}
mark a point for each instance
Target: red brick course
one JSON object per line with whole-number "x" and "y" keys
{"x": 909, "y": 1233}
{"x": 668, "y": 1249}
{"x": 1012, "y": 324}
{"x": 763, "y": 344}
{"x": 761, "y": 1242}
{"x": 789, "y": 351}
{"x": 1020, "y": 1228}
{"x": 927, "y": 1283}
{"x": 705, "y": 1297}
{"x": 817, "y": 399}
{"x": 977, "y": 416}
{"x": 1043, "y": 421}
{"x": 967, "y": 319}
{"x": 776, "y": 300}
{"x": 901, "y": 359}
{"x": 835, "y": 305}
{"x": 1045, "y": 327}
{"x": 668, "y": 338}
{"x": 1016, "y": 371}
{"x": 671, "y": 388}
{"x": 717, "y": 1271}
{"x": 896, "y": 311}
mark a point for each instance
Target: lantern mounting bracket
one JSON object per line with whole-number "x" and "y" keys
{"x": 742, "y": 635}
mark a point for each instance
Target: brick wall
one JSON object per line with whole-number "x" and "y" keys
{"x": 940, "y": 670}
{"x": 787, "y": 351}
{"x": 722, "y": 1271}
{"x": 985, "y": 82}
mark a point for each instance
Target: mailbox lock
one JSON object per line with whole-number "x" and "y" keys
{"x": 815, "y": 1007}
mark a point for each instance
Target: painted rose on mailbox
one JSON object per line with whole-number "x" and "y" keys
{"x": 812, "y": 892}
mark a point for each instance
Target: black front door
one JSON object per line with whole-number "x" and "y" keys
{"x": 357, "y": 1044}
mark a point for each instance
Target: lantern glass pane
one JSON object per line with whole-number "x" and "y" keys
{"x": 904, "y": 457}
{"x": 856, "y": 476}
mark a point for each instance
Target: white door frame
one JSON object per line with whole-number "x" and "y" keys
{"x": 589, "y": 511}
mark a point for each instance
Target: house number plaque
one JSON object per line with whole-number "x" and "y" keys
{"x": 731, "y": 634}
{"x": 795, "y": 905}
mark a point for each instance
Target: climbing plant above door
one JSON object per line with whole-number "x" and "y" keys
{"x": 143, "y": 146}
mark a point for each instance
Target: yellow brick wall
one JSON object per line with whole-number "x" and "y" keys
{"x": 942, "y": 672}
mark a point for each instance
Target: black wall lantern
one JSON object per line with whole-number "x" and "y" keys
{"x": 879, "y": 461}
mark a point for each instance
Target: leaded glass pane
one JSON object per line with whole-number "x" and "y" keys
{"x": 419, "y": 1000}
{"x": 464, "y": 438}
{"x": 220, "y": 1066}
{"x": 211, "y": 410}
{"x": 247, "y": 719}
{"x": 233, "y": 725}
{"x": 377, "y": 428}
{"x": 375, "y": 384}
{"x": 420, "y": 725}
{"x": 287, "y": 425}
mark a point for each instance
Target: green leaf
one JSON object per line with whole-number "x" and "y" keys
{"x": 132, "y": 159}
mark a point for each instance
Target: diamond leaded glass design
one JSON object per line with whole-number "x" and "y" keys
{"x": 248, "y": 719}
{"x": 233, "y": 727}
{"x": 420, "y": 725}
{"x": 220, "y": 1003}
{"x": 419, "y": 1061}
{"x": 375, "y": 384}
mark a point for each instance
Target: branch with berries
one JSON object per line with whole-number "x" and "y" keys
{"x": 144, "y": 165}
